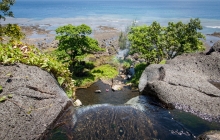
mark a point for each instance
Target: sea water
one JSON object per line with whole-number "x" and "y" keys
{"x": 116, "y": 13}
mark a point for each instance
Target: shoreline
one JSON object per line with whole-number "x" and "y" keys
{"x": 42, "y": 32}
{"x": 43, "y": 37}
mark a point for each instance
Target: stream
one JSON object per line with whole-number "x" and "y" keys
{"x": 125, "y": 114}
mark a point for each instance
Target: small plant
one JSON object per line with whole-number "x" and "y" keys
{"x": 4, "y": 98}
{"x": 1, "y": 88}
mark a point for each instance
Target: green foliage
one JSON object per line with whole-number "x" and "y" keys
{"x": 105, "y": 71}
{"x": 163, "y": 61}
{"x": 122, "y": 40}
{"x": 183, "y": 38}
{"x": 75, "y": 41}
{"x": 12, "y": 32}
{"x": 101, "y": 72}
{"x": 138, "y": 72}
{"x": 155, "y": 43}
{"x": 148, "y": 42}
{"x": 3, "y": 98}
{"x": 1, "y": 88}
{"x": 5, "y": 8}
{"x": 32, "y": 56}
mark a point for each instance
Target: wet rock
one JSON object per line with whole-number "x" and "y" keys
{"x": 117, "y": 87}
{"x": 108, "y": 122}
{"x": 34, "y": 100}
{"x": 184, "y": 83}
{"x": 211, "y": 135}
{"x": 98, "y": 91}
{"x": 138, "y": 119}
{"x": 77, "y": 103}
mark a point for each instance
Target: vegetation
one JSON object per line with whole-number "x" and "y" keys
{"x": 11, "y": 32}
{"x": 100, "y": 70}
{"x": 122, "y": 40}
{"x": 12, "y": 50}
{"x": 32, "y": 56}
{"x": 138, "y": 71}
{"x": 75, "y": 44}
{"x": 5, "y": 8}
{"x": 155, "y": 43}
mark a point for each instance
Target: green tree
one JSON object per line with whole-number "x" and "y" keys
{"x": 155, "y": 43}
{"x": 76, "y": 42}
{"x": 183, "y": 38}
{"x": 5, "y": 8}
{"x": 148, "y": 42}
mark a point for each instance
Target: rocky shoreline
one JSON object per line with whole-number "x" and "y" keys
{"x": 44, "y": 38}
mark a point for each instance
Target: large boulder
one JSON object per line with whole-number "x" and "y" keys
{"x": 214, "y": 48}
{"x": 186, "y": 83}
{"x": 31, "y": 101}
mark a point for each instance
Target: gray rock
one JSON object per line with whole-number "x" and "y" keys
{"x": 214, "y": 48}
{"x": 211, "y": 135}
{"x": 34, "y": 100}
{"x": 184, "y": 83}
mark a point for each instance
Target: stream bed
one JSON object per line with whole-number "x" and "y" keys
{"x": 125, "y": 114}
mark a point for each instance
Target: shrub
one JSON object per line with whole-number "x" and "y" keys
{"x": 30, "y": 55}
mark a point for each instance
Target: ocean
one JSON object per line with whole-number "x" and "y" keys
{"x": 116, "y": 13}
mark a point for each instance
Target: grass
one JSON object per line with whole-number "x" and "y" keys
{"x": 105, "y": 71}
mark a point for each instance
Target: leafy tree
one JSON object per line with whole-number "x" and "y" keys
{"x": 148, "y": 42}
{"x": 5, "y": 8}
{"x": 75, "y": 42}
{"x": 154, "y": 43}
{"x": 183, "y": 38}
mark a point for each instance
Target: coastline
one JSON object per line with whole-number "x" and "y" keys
{"x": 42, "y": 32}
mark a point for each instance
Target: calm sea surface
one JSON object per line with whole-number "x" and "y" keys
{"x": 117, "y": 13}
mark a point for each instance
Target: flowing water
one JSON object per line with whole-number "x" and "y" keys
{"x": 126, "y": 115}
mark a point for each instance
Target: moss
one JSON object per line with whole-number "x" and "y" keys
{"x": 163, "y": 61}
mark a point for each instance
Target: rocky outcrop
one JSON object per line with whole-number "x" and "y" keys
{"x": 186, "y": 83}
{"x": 214, "y": 48}
{"x": 211, "y": 135}
{"x": 31, "y": 101}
